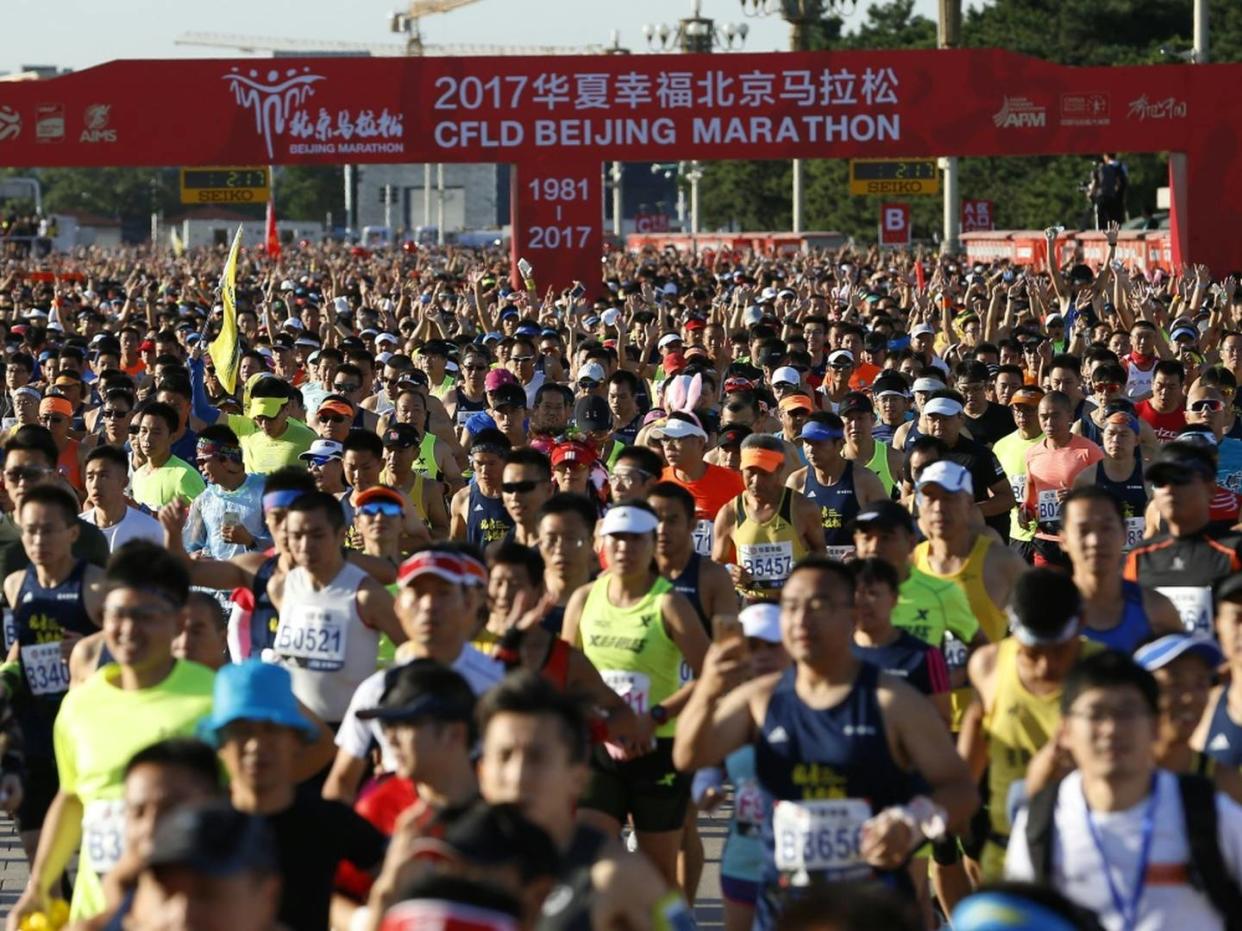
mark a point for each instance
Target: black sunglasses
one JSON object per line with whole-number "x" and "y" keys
{"x": 518, "y": 488}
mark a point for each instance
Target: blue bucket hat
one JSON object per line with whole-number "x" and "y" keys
{"x": 254, "y": 691}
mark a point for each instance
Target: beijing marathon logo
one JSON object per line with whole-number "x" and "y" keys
{"x": 279, "y": 103}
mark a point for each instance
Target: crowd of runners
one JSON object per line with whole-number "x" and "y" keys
{"x": 471, "y": 599}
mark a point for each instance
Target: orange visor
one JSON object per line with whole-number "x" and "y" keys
{"x": 56, "y": 406}
{"x": 769, "y": 460}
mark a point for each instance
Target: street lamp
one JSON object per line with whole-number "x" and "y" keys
{"x": 691, "y": 171}
{"x": 695, "y": 33}
{"x": 803, "y": 16}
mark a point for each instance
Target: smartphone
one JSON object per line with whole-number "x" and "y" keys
{"x": 726, "y": 627}
{"x": 578, "y": 291}
{"x": 525, "y": 268}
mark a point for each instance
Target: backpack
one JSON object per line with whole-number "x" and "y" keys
{"x": 1208, "y": 872}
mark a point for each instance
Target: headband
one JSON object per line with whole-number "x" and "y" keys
{"x": 56, "y": 405}
{"x": 280, "y": 499}
{"x": 769, "y": 460}
{"x": 214, "y": 448}
{"x": 1028, "y": 637}
{"x": 817, "y": 432}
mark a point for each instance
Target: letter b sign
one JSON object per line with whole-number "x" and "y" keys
{"x": 895, "y": 225}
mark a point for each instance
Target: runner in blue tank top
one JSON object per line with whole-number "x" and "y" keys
{"x": 838, "y": 487}
{"x": 56, "y": 601}
{"x": 1117, "y": 613}
{"x": 1222, "y": 738}
{"x": 478, "y": 514}
{"x": 859, "y": 766}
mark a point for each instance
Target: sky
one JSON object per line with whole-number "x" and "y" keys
{"x": 81, "y": 33}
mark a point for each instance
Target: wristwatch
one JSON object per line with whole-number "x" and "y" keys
{"x": 659, "y": 714}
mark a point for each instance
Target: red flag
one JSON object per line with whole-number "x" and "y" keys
{"x": 273, "y": 239}
{"x": 920, "y": 278}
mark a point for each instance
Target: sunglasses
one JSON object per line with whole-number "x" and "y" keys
{"x": 518, "y": 488}
{"x": 477, "y": 368}
{"x": 1207, "y": 404}
{"x": 1107, "y": 386}
{"x": 111, "y": 413}
{"x": 521, "y": 358}
{"x": 331, "y": 418}
{"x": 26, "y": 474}
{"x": 48, "y": 418}
{"x": 1177, "y": 480}
{"x": 386, "y": 508}
{"x": 346, "y": 387}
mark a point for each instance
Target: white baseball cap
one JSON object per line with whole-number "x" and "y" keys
{"x": 628, "y": 519}
{"x": 841, "y": 355}
{"x": 762, "y": 621}
{"x": 610, "y": 316}
{"x": 592, "y": 371}
{"x": 786, "y": 375}
{"x": 945, "y": 407}
{"x": 927, "y": 384}
{"x": 668, "y": 339}
{"x": 753, "y": 315}
{"x": 680, "y": 429}
{"x": 948, "y": 475}
{"x": 922, "y": 329}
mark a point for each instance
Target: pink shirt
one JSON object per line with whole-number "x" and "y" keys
{"x": 1050, "y": 472}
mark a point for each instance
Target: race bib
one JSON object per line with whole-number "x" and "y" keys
{"x": 46, "y": 671}
{"x": 704, "y": 533}
{"x": 955, "y": 652}
{"x": 819, "y": 836}
{"x": 1049, "y": 506}
{"x": 1018, "y": 484}
{"x": 1135, "y": 526}
{"x": 767, "y": 562}
{"x": 312, "y": 635}
{"x": 841, "y": 553}
{"x": 633, "y": 687}
{"x": 103, "y": 833}
{"x": 1194, "y": 606}
{"x": 749, "y": 807}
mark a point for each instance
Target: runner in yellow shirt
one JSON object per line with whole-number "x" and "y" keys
{"x": 144, "y": 696}
{"x": 280, "y": 440}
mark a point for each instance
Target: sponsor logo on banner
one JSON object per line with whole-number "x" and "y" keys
{"x": 1169, "y": 108}
{"x": 95, "y": 119}
{"x": 1084, "y": 110}
{"x": 279, "y": 101}
{"x": 10, "y": 123}
{"x": 894, "y": 224}
{"x": 50, "y": 122}
{"x": 1020, "y": 113}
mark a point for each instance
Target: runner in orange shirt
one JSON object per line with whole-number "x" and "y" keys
{"x": 685, "y": 442}
{"x": 1052, "y": 464}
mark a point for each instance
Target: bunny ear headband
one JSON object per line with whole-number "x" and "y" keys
{"x": 682, "y": 393}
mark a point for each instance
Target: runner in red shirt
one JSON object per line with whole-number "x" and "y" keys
{"x": 685, "y": 442}
{"x": 1165, "y": 410}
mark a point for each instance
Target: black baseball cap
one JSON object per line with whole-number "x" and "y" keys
{"x": 214, "y": 839}
{"x": 401, "y": 436}
{"x": 423, "y": 688}
{"x": 508, "y": 396}
{"x": 733, "y": 434}
{"x": 1180, "y": 461}
{"x": 855, "y": 403}
{"x": 591, "y": 414}
{"x": 884, "y": 514}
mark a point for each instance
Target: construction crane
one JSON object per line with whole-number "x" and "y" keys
{"x": 408, "y": 22}
{"x": 279, "y": 44}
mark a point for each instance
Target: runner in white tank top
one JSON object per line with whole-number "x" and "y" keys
{"x": 331, "y": 612}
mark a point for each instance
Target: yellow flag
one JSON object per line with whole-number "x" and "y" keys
{"x": 178, "y": 247}
{"x": 224, "y": 349}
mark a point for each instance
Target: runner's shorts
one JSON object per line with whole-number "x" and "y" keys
{"x": 648, "y": 789}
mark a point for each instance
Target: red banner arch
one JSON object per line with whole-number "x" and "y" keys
{"x": 555, "y": 119}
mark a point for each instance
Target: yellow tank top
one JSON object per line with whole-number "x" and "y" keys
{"x": 969, "y": 578}
{"x": 1017, "y": 727}
{"x": 768, "y": 551}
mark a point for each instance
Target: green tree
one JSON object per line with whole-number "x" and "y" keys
{"x": 126, "y": 194}
{"x": 310, "y": 192}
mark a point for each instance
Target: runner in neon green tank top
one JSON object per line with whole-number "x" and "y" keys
{"x": 636, "y": 629}
{"x": 858, "y": 414}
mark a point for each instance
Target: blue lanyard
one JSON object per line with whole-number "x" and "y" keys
{"x": 1128, "y": 912}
